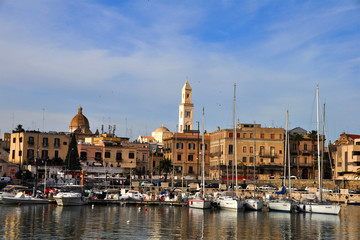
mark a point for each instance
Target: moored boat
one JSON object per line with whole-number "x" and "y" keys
{"x": 21, "y": 198}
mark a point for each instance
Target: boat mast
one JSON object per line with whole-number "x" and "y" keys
{"x": 254, "y": 157}
{"x": 288, "y": 153}
{"x": 232, "y": 162}
{"x": 318, "y": 139}
{"x": 203, "y": 157}
{"x": 286, "y": 136}
{"x": 235, "y": 137}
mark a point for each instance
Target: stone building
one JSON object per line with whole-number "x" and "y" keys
{"x": 346, "y": 155}
{"x": 303, "y": 153}
{"x": 259, "y": 152}
{"x": 184, "y": 151}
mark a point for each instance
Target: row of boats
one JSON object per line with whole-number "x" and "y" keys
{"x": 74, "y": 195}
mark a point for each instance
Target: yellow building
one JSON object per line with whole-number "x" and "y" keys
{"x": 28, "y": 145}
{"x": 346, "y": 156}
{"x": 185, "y": 148}
{"x": 257, "y": 148}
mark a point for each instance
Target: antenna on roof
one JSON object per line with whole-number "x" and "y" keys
{"x": 102, "y": 128}
{"x": 114, "y": 128}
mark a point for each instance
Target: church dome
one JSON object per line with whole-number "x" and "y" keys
{"x": 80, "y": 123}
{"x": 162, "y": 129}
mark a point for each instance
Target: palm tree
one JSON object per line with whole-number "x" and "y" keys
{"x": 313, "y": 136}
{"x": 298, "y": 138}
{"x": 19, "y": 128}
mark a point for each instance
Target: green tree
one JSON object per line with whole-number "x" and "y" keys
{"x": 298, "y": 138}
{"x": 313, "y": 137}
{"x": 72, "y": 161}
{"x": 165, "y": 166}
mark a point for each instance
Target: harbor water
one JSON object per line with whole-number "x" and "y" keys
{"x": 170, "y": 222}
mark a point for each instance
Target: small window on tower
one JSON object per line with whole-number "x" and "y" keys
{"x": 187, "y": 95}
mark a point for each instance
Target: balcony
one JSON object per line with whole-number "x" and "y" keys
{"x": 267, "y": 155}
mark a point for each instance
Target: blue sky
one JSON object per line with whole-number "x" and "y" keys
{"x": 125, "y": 63}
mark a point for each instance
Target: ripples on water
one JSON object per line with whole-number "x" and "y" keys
{"x": 115, "y": 222}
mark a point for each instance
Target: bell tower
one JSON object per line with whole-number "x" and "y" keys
{"x": 186, "y": 109}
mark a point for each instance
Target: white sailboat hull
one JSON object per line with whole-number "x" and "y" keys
{"x": 319, "y": 208}
{"x": 231, "y": 204}
{"x": 253, "y": 204}
{"x": 201, "y": 204}
{"x": 280, "y": 206}
{"x": 70, "y": 199}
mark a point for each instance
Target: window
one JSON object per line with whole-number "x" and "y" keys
{"x": 14, "y": 140}
{"x": 179, "y": 145}
{"x": 251, "y": 159}
{"x": 20, "y": 139}
{"x": 251, "y": 135}
{"x": 272, "y": 151}
{"x": 187, "y": 114}
{"x": 280, "y": 151}
{"x": 191, "y": 145}
{"x": 144, "y": 157}
{"x": 45, "y": 142}
{"x": 13, "y": 154}
{"x": 231, "y": 135}
{"x": 272, "y": 160}
{"x": 262, "y": 150}
{"x": 179, "y": 157}
{"x": 305, "y": 147}
{"x": 190, "y": 158}
{"x": 131, "y": 155}
{"x": 202, "y": 146}
{"x": 64, "y": 143}
{"x": 107, "y": 154}
{"x": 83, "y": 155}
{"x": 118, "y": 156}
{"x": 244, "y": 149}
{"x": 244, "y": 135}
{"x": 153, "y": 164}
{"x": 30, "y": 153}
{"x": 294, "y": 160}
{"x": 98, "y": 156}
{"x": 230, "y": 149}
{"x": 261, "y": 160}
{"x": 294, "y": 146}
{"x": 57, "y": 142}
{"x": 244, "y": 159}
{"x": 31, "y": 141}
{"x": 238, "y": 135}
{"x": 305, "y": 160}
{"x": 20, "y": 153}
{"x": 339, "y": 164}
{"x": 272, "y": 136}
{"x": 191, "y": 170}
{"x": 44, "y": 154}
{"x": 56, "y": 155}
{"x": 262, "y": 135}
{"x": 280, "y": 136}
{"x": 251, "y": 149}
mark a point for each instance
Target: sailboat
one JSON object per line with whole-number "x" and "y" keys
{"x": 199, "y": 201}
{"x": 254, "y": 203}
{"x": 283, "y": 205}
{"x": 320, "y": 206}
{"x": 231, "y": 201}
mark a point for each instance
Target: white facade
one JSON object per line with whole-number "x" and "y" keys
{"x": 186, "y": 109}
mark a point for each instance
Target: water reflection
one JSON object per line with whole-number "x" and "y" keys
{"x": 104, "y": 222}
